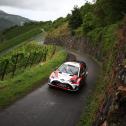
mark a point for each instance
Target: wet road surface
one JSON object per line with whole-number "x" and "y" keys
{"x": 51, "y": 107}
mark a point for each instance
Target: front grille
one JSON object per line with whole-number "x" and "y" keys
{"x": 62, "y": 85}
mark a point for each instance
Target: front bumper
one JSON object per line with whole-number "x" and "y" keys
{"x": 63, "y": 85}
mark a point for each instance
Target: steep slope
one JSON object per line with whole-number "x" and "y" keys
{"x": 8, "y": 20}
{"x": 4, "y": 24}
{"x": 2, "y": 12}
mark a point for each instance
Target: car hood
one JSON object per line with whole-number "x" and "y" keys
{"x": 64, "y": 76}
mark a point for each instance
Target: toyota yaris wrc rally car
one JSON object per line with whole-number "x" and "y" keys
{"x": 69, "y": 76}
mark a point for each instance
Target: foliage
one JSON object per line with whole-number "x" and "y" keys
{"x": 88, "y": 22}
{"x": 18, "y": 39}
{"x": 20, "y": 85}
{"x": 58, "y": 22}
{"x": 25, "y": 56}
{"x": 78, "y": 32}
{"x": 18, "y": 34}
{"x": 17, "y": 30}
{"x": 61, "y": 31}
{"x": 75, "y": 19}
{"x": 103, "y": 40}
{"x": 99, "y": 14}
{"x": 88, "y": 7}
{"x": 110, "y": 11}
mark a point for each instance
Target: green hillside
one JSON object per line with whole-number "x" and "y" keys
{"x": 9, "y": 20}
{"x": 18, "y": 34}
{"x": 4, "y": 24}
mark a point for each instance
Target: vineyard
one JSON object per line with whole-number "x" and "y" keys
{"x": 8, "y": 43}
{"x": 23, "y": 57}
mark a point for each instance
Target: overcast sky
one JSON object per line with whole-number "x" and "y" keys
{"x": 40, "y": 9}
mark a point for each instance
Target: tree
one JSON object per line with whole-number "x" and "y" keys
{"x": 75, "y": 20}
{"x": 89, "y": 22}
{"x": 88, "y": 7}
{"x": 110, "y": 10}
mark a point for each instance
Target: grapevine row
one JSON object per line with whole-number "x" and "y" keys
{"x": 23, "y": 57}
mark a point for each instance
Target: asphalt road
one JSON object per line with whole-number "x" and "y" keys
{"x": 51, "y": 107}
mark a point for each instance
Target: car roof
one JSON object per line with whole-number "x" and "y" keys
{"x": 73, "y": 64}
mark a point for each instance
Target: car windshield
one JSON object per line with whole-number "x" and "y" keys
{"x": 72, "y": 70}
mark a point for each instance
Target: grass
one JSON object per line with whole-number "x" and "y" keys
{"x": 23, "y": 53}
{"x": 11, "y": 32}
{"x": 61, "y": 31}
{"x": 18, "y": 39}
{"x": 20, "y": 85}
{"x": 18, "y": 34}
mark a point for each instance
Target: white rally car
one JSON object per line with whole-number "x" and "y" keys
{"x": 69, "y": 76}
